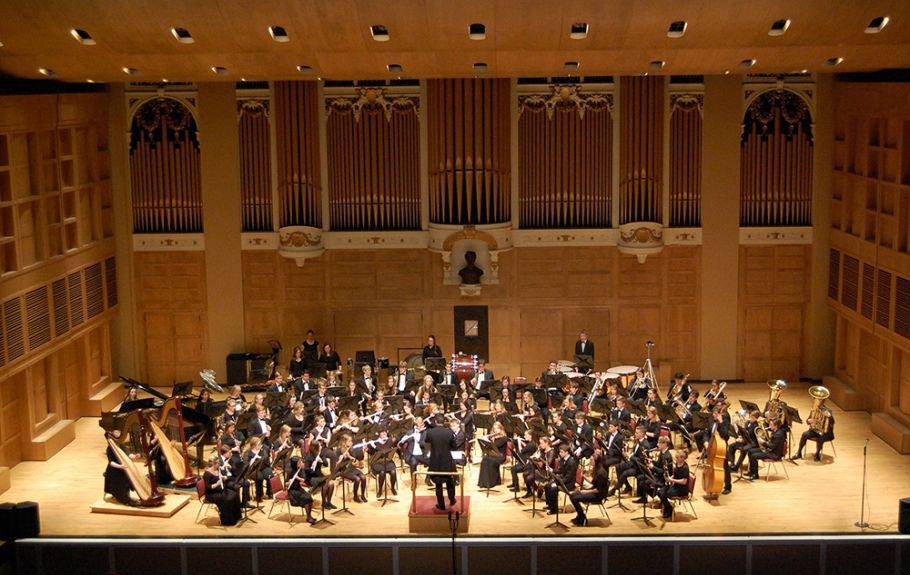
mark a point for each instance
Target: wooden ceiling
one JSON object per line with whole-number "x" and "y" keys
{"x": 429, "y": 38}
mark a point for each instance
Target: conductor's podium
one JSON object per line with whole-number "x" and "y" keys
{"x": 424, "y": 517}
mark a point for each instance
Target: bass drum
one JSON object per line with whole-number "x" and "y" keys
{"x": 464, "y": 366}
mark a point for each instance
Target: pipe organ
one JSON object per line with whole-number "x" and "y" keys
{"x": 297, "y": 135}
{"x": 641, "y": 149}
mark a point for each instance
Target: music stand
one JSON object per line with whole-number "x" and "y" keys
{"x": 182, "y": 388}
{"x": 385, "y": 456}
{"x": 584, "y": 362}
{"x": 666, "y": 413}
{"x": 701, "y": 420}
{"x": 243, "y": 421}
{"x": 340, "y": 470}
{"x": 350, "y": 403}
{"x": 620, "y": 390}
{"x": 636, "y": 408}
{"x": 513, "y": 425}
{"x": 644, "y": 508}
{"x": 488, "y": 448}
{"x": 601, "y": 405}
{"x": 447, "y": 392}
{"x": 214, "y": 408}
{"x": 320, "y": 484}
{"x": 791, "y": 414}
{"x": 249, "y": 474}
{"x": 516, "y": 454}
{"x": 483, "y": 421}
{"x": 275, "y": 399}
{"x": 317, "y": 369}
{"x": 539, "y": 394}
{"x": 435, "y": 364}
{"x": 553, "y": 478}
{"x": 749, "y": 406}
{"x": 555, "y": 381}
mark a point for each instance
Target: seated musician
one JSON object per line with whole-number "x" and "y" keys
{"x": 771, "y": 449}
{"x": 297, "y": 364}
{"x": 596, "y": 494}
{"x": 227, "y": 500}
{"x": 620, "y": 413}
{"x": 231, "y": 469}
{"x": 298, "y": 492}
{"x": 509, "y": 402}
{"x": 566, "y": 470}
{"x": 551, "y": 372}
{"x": 676, "y": 483}
{"x": 385, "y": 467}
{"x": 231, "y": 438}
{"x": 296, "y": 420}
{"x": 520, "y": 462}
{"x": 819, "y": 438}
{"x": 230, "y": 412}
{"x": 313, "y": 464}
{"x": 205, "y": 398}
{"x": 557, "y": 426}
{"x": 577, "y": 396}
{"x": 543, "y": 406}
{"x": 320, "y": 431}
{"x": 459, "y": 443}
{"x": 116, "y": 480}
{"x": 692, "y": 405}
{"x": 583, "y": 436}
{"x": 713, "y": 395}
{"x": 282, "y": 445}
{"x": 238, "y": 397}
{"x": 331, "y": 412}
{"x": 352, "y": 391}
{"x": 415, "y": 446}
{"x": 368, "y": 380}
{"x": 568, "y": 408}
{"x": 423, "y": 398}
{"x": 489, "y": 476}
{"x": 741, "y": 444}
{"x": 498, "y": 411}
{"x": 612, "y": 445}
{"x": 448, "y": 376}
{"x": 403, "y": 377}
{"x": 260, "y": 425}
{"x": 331, "y": 380}
{"x": 378, "y": 415}
{"x": 653, "y": 400}
{"x": 639, "y": 386}
{"x": 344, "y": 452}
{"x": 303, "y": 383}
{"x": 319, "y": 402}
{"x": 254, "y": 454}
{"x": 482, "y": 379}
{"x": 653, "y": 428}
{"x": 629, "y": 468}
{"x": 651, "y": 485}
{"x": 680, "y": 388}
{"x": 278, "y": 385}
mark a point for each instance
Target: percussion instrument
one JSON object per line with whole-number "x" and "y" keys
{"x": 565, "y": 366}
{"x": 464, "y": 365}
{"x": 625, "y": 373}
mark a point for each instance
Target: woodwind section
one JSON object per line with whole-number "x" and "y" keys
{"x": 164, "y": 169}
{"x": 776, "y": 160}
{"x": 469, "y": 161}
{"x": 686, "y": 133}
{"x": 565, "y": 158}
{"x": 641, "y": 149}
{"x": 255, "y": 166}
{"x": 374, "y": 161}
{"x": 297, "y": 128}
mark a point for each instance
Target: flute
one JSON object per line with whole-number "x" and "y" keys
{"x": 293, "y": 479}
{"x": 316, "y": 462}
{"x": 365, "y": 443}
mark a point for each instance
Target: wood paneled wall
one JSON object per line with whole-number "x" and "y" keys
{"x": 383, "y": 300}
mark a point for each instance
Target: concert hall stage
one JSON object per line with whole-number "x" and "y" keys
{"x": 810, "y": 516}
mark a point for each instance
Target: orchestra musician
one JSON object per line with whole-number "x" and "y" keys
{"x": 310, "y": 345}
{"x": 577, "y": 397}
{"x": 116, "y": 480}
{"x": 319, "y": 402}
{"x": 459, "y": 442}
{"x": 544, "y": 405}
{"x": 620, "y": 413}
{"x": 653, "y": 428}
{"x": 508, "y": 402}
{"x": 368, "y": 380}
{"x": 584, "y": 346}
{"x": 283, "y": 444}
{"x": 629, "y": 468}
{"x": 344, "y": 452}
{"x": 596, "y": 494}
{"x": 442, "y": 441}
{"x": 706, "y": 434}
{"x": 489, "y": 466}
{"x": 331, "y": 415}
{"x": 231, "y": 469}
{"x": 329, "y": 357}
{"x": 569, "y": 408}
{"x": 237, "y": 396}
{"x": 403, "y": 377}
{"x": 819, "y": 438}
{"x": 664, "y": 461}
{"x": 432, "y": 350}
{"x": 676, "y": 484}
{"x": 583, "y": 436}
{"x": 313, "y": 464}
{"x": 415, "y": 446}
{"x": 640, "y": 386}
{"x": 352, "y": 391}
{"x": 378, "y": 415}
{"x": 230, "y": 437}
{"x": 298, "y": 494}
{"x": 297, "y": 364}
{"x": 331, "y": 379}
{"x": 205, "y": 398}
{"x": 773, "y": 448}
{"x": 381, "y": 469}
{"x": 256, "y": 452}
{"x": 542, "y": 459}
{"x": 741, "y": 444}
{"x": 260, "y": 425}
{"x": 449, "y": 377}
{"x": 713, "y": 395}
{"x": 482, "y": 379}
{"x": 278, "y": 385}
{"x": 227, "y": 500}
{"x": 296, "y": 421}
{"x": 303, "y": 383}
{"x": 681, "y": 386}
{"x": 567, "y": 468}
{"x": 465, "y": 417}
{"x": 320, "y": 431}
{"x": 612, "y": 445}
{"x": 521, "y": 463}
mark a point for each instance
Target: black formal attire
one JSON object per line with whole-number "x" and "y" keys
{"x": 331, "y": 361}
{"x": 383, "y": 468}
{"x": 639, "y": 389}
{"x": 449, "y": 378}
{"x": 683, "y": 393}
{"x": 621, "y": 415}
{"x": 692, "y": 405}
{"x": 489, "y": 466}
{"x": 819, "y": 438}
{"x": 298, "y": 494}
{"x": 742, "y": 445}
{"x": 428, "y": 351}
{"x": 442, "y": 442}
{"x": 313, "y": 472}
{"x": 296, "y": 367}
{"x": 232, "y": 470}
{"x": 567, "y": 470}
{"x": 706, "y": 434}
{"x": 227, "y": 500}
{"x": 485, "y": 380}
{"x": 261, "y": 478}
{"x": 584, "y": 348}
{"x": 317, "y": 401}
{"x": 629, "y": 469}
{"x": 116, "y": 481}
{"x": 353, "y": 474}
{"x": 596, "y": 494}
{"x": 278, "y": 388}
{"x": 612, "y": 449}
{"x": 674, "y": 489}
{"x": 415, "y": 450}
{"x": 259, "y": 427}
{"x": 301, "y": 385}
{"x": 645, "y": 485}
{"x": 368, "y": 384}
{"x": 310, "y": 350}
{"x": 775, "y": 451}
{"x": 297, "y": 427}
{"x": 583, "y": 437}
{"x": 653, "y": 428}
{"x": 521, "y": 463}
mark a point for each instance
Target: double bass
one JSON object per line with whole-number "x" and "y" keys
{"x": 713, "y": 471}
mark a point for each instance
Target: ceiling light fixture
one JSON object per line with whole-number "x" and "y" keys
{"x": 49, "y": 73}
{"x": 569, "y": 66}
{"x": 831, "y": 62}
{"x": 656, "y": 65}
{"x": 480, "y": 67}
{"x": 778, "y": 28}
{"x": 395, "y": 68}
{"x": 747, "y": 63}
{"x": 182, "y": 35}
{"x": 677, "y": 29}
{"x": 477, "y": 32}
{"x": 220, "y": 71}
{"x": 874, "y": 27}
{"x": 279, "y": 34}
{"x": 132, "y": 71}
{"x": 305, "y": 70}
{"x": 579, "y": 31}
{"x": 82, "y": 37}
{"x": 380, "y": 33}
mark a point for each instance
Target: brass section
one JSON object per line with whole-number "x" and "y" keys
{"x": 818, "y": 415}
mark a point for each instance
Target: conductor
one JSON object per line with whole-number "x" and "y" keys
{"x": 441, "y": 442}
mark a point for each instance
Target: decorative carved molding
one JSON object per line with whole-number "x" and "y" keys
{"x": 470, "y": 233}
{"x": 300, "y": 243}
{"x": 556, "y": 238}
{"x": 259, "y": 241}
{"x": 772, "y": 236}
{"x": 682, "y": 236}
{"x": 375, "y": 240}
{"x": 565, "y": 98}
{"x": 372, "y": 100}
{"x": 254, "y": 107}
{"x": 168, "y": 242}
{"x": 687, "y": 101}
{"x": 640, "y": 239}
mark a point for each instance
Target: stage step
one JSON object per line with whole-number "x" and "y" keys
{"x": 107, "y": 399}
{"x": 892, "y": 431}
{"x": 50, "y": 442}
{"x": 842, "y": 395}
{"x": 4, "y": 479}
{"x": 423, "y": 517}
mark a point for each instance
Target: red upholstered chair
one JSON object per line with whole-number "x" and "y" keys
{"x": 579, "y": 480}
{"x": 280, "y": 496}
{"x": 687, "y": 498}
{"x": 204, "y": 503}
{"x": 507, "y": 462}
{"x": 772, "y": 463}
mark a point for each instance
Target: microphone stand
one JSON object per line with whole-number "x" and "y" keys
{"x": 453, "y": 526}
{"x": 862, "y": 514}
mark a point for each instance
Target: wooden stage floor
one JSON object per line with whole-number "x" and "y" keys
{"x": 819, "y": 498}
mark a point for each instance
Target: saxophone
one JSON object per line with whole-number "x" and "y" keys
{"x": 818, "y": 414}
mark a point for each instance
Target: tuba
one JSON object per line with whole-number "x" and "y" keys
{"x": 775, "y": 407}
{"x": 818, "y": 414}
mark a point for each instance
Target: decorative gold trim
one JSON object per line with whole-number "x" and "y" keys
{"x": 470, "y": 233}
{"x": 299, "y": 240}
{"x": 565, "y": 98}
{"x": 642, "y": 235}
{"x": 687, "y": 102}
{"x": 253, "y": 108}
{"x": 372, "y": 100}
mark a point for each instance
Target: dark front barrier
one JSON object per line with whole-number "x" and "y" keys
{"x": 903, "y": 517}
{"x": 822, "y": 555}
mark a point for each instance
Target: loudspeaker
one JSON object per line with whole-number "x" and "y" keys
{"x": 28, "y": 523}
{"x": 903, "y": 516}
{"x": 7, "y": 521}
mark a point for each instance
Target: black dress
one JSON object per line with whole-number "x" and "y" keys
{"x": 116, "y": 481}
{"x": 227, "y": 500}
{"x": 489, "y": 465}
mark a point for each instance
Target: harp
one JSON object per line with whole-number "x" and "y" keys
{"x": 144, "y": 484}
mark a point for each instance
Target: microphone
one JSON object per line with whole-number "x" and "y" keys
{"x": 865, "y": 445}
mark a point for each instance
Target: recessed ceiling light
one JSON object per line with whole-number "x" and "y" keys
{"x": 778, "y": 28}
{"x": 49, "y": 73}
{"x": 395, "y": 68}
{"x": 380, "y": 33}
{"x": 874, "y": 27}
{"x": 477, "y": 32}
{"x": 656, "y": 65}
{"x": 182, "y": 35}
{"x": 82, "y": 37}
{"x": 279, "y": 34}
{"x": 220, "y": 71}
{"x": 677, "y": 29}
{"x": 569, "y": 66}
{"x": 1, "y": 44}
{"x": 747, "y": 63}
{"x": 480, "y": 66}
{"x": 833, "y": 61}
{"x": 305, "y": 69}
{"x": 579, "y": 31}
{"x": 725, "y": 72}
{"x": 89, "y": 80}
{"x": 132, "y": 71}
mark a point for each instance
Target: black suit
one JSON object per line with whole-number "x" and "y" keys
{"x": 588, "y": 348}
{"x": 775, "y": 450}
{"x": 567, "y": 471}
{"x": 482, "y": 388}
{"x": 613, "y": 449}
{"x": 442, "y": 441}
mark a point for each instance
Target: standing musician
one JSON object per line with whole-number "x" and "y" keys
{"x": 297, "y": 364}
{"x": 381, "y": 469}
{"x": 629, "y": 468}
{"x": 657, "y": 468}
{"x": 329, "y": 357}
{"x": 521, "y": 463}
{"x": 819, "y": 438}
{"x": 583, "y": 437}
{"x": 704, "y": 436}
{"x": 432, "y": 350}
{"x": 298, "y": 495}
{"x": 676, "y": 484}
{"x": 584, "y": 346}
{"x": 567, "y": 468}
{"x": 313, "y": 464}
{"x": 465, "y": 417}
{"x": 482, "y": 379}
{"x": 310, "y": 345}
{"x": 344, "y": 452}
{"x": 278, "y": 385}
{"x": 772, "y": 449}
{"x": 255, "y": 452}
{"x": 227, "y": 500}
{"x": 442, "y": 442}
{"x": 720, "y": 424}
{"x": 596, "y": 494}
